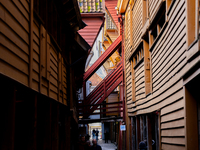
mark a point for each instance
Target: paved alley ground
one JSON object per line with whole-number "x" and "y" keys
{"x": 106, "y": 146}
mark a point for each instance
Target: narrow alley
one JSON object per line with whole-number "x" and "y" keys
{"x": 100, "y": 74}
{"x": 107, "y": 146}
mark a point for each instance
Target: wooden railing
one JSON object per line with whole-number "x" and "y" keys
{"x": 91, "y": 6}
{"x": 101, "y": 92}
{"x": 112, "y": 48}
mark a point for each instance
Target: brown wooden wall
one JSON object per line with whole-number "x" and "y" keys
{"x": 28, "y": 54}
{"x": 168, "y": 63}
{"x": 132, "y": 41}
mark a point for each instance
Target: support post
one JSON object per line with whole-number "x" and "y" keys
{"x": 47, "y": 125}
{"x": 149, "y": 132}
{"x": 32, "y": 141}
{"x": 55, "y": 126}
{"x": 8, "y": 97}
{"x": 31, "y": 44}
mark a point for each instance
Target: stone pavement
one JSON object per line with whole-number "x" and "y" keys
{"x": 107, "y": 146}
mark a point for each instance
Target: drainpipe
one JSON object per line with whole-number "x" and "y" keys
{"x": 122, "y": 144}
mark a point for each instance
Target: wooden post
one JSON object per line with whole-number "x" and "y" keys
{"x": 55, "y": 126}
{"x": 138, "y": 136}
{"x": 8, "y": 99}
{"x": 48, "y": 72}
{"x": 67, "y": 131}
{"x": 31, "y": 44}
{"x": 32, "y": 113}
{"x": 191, "y": 21}
{"x": 47, "y": 125}
{"x": 59, "y": 77}
{"x": 149, "y": 133}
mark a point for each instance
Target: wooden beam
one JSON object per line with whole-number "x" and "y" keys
{"x": 96, "y": 113}
{"x": 31, "y": 44}
{"x": 55, "y": 126}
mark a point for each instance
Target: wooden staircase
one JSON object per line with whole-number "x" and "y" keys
{"x": 101, "y": 92}
{"x": 94, "y": 100}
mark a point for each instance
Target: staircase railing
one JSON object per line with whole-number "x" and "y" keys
{"x": 111, "y": 49}
{"x": 102, "y": 91}
{"x": 91, "y": 6}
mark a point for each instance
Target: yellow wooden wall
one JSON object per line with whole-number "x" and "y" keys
{"x": 35, "y": 63}
{"x": 127, "y": 53}
{"x": 169, "y": 63}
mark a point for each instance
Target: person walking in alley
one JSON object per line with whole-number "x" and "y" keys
{"x": 142, "y": 145}
{"x": 88, "y": 146}
{"x": 93, "y": 133}
{"x": 97, "y": 134}
{"x": 106, "y": 136}
{"x": 95, "y": 146}
{"x": 82, "y": 143}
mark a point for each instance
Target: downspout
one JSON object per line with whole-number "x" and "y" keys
{"x": 122, "y": 144}
{"x": 123, "y": 81}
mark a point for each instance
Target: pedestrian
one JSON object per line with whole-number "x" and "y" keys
{"x": 87, "y": 137}
{"x": 95, "y": 146}
{"x": 97, "y": 134}
{"x": 142, "y": 145}
{"x": 82, "y": 143}
{"x": 88, "y": 145}
{"x": 106, "y": 136}
{"x": 93, "y": 133}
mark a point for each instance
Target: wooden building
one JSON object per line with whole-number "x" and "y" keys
{"x": 42, "y": 61}
{"x": 162, "y": 73}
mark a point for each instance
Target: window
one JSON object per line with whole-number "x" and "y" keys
{"x": 138, "y": 55}
{"x": 157, "y": 23}
{"x": 161, "y": 23}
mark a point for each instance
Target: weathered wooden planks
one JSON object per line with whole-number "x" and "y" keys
{"x": 27, "y": 53}
{"x": 168, "y": 63}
